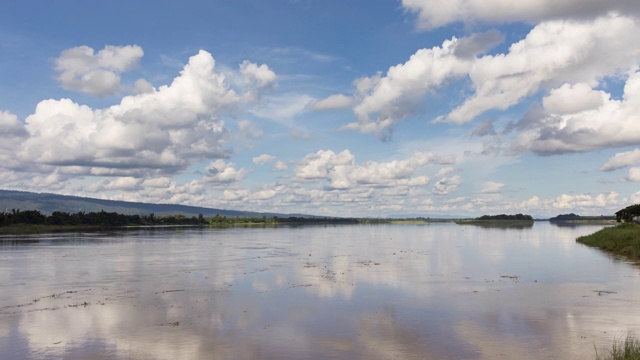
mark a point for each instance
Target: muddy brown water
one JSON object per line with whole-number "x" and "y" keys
{"x": 435, "y": 291}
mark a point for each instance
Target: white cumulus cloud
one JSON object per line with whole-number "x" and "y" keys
{"x": 383, "y": 100}
{"x": 82, "y": 69}
{"x": 611, "y": 124}
{"x": 570, "y": 99}
{"x": 553, "y": 53}
{"x": 569, "y": 56}
{"x": 169, "y": 128}
{"x": 151, "y": 135}
{"x": 257, "y": 76}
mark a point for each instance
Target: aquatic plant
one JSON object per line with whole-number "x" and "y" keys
{"x": 627, "y": 349}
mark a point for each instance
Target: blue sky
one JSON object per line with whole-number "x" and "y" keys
{"x": 346, "y": 108}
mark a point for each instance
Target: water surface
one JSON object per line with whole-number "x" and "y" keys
{"x": 436, "y": 291}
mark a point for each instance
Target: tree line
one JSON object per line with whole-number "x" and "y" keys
{"x": 627, "y": 214}
{"x": 101, "y": 218}
{"x": 506, "y": 217}
{"x": 109, "y": 219}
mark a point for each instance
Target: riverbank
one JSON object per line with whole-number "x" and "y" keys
{"x": 623, "y": 240}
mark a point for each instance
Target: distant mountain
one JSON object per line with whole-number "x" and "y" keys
{"x": 48, "y": 203}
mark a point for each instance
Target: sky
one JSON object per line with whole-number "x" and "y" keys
{"x": 386, "y": 108}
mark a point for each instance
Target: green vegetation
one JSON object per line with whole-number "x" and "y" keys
{"x": 516, "y": 217}
{"x": 623, "y": 239}
{"x": 32, "y": 221}
{"x": 223, "y": 221}
{"x": 627, "y": 214}
{"x": 35, "y": 219}
{"x": 499, "y": 221}
{"x": 627, "y": 349}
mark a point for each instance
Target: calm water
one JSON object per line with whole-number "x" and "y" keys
{"x": 438, "y": 291}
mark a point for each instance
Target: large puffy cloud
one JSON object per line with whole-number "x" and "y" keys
{"x": 82, "y": 69}
{"x": 129, "y": 151}
{"x": 576, "y": 52}
{"x": 437, "y": 13}
{"x": 381, "y": 101}
{"x": 553, "y": 53}
{"x": 166, "y": 129}
{"x": 593, "y": 121}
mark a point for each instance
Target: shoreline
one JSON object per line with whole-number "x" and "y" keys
{"x": 621, "y": 240}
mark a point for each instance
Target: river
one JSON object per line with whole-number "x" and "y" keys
{"x": 432, "y": 291}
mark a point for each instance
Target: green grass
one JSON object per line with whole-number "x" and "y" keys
{"x": 627, "y": 349}
{"x": 623, "y": 239}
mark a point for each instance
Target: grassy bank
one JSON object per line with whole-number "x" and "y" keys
{"x": 627, "y": 349}
{"x": 623, "y": 239}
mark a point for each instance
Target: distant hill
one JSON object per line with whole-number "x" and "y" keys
{"x": 48, "y": 203}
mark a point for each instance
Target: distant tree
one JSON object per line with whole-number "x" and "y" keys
{"x": 506, "y": 217}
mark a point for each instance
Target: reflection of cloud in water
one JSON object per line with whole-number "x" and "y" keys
{"x": 338, "y": 264}
{"x": 368, "y": 292}
{"x": 542, "y": 322}
{"x": 128, "y": 331}
{"x": 382, "y": 336}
